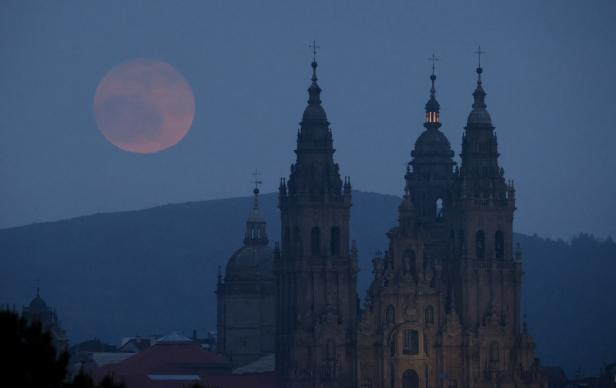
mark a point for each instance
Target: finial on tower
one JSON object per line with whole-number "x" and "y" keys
{"x": 256, "y": 174}
{"x": 479, "y": 52}
{"x": 432, "y": 107}
{"x": 433, "y": 59}
{"x": 314, "y": 48}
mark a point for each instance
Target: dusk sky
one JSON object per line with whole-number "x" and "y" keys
{"x": 548, "y": 72}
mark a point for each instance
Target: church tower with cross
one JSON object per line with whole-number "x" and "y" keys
{"x": 316, "y": 266}
{"x": 245, "y": 295}
{"x": 443, "y": 309}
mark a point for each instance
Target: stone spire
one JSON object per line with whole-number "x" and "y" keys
{"x": 314, "y": 112}
{"x": 315, "y": 175}
{"x": 479, "y": 116}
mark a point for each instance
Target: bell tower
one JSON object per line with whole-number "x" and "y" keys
{"x": 490, "y": 276}
{"x": 316, "y": 268}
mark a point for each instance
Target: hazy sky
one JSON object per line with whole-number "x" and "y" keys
{"x": 549, "y": 74}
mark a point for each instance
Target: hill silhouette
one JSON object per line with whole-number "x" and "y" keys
{"x": 154, "y": 271}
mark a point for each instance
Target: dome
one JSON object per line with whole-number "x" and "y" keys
{"x": 432, "y": 142}
{"x": 314, "y": 112}
{"x": 479, "y": 116}
{"x": 250, "y": 262}
{"x": 38, "y": 304}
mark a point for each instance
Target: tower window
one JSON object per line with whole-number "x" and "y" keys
{"x": 429, "y": 315}
{"x": 494, "y": 353}
{"x": 334, "y": 242}
{"x": 499, "y": 244}
{"x": 439, "y": 208}
{"x": 410, "y": 262}
{"x": 411, "y": 342}
{"x": 480, "y": 246}
{"x": 287, "y": 237}
{"x": 390, "y": 315}
{"x": 315, "y": 241}
{"x": 297, "y": 239}
{"x": 432, "y": 117}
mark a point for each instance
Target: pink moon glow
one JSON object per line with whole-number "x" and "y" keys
{"x": 144, "y": 106}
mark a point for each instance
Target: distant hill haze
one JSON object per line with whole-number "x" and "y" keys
{"x": 154, "y": 271}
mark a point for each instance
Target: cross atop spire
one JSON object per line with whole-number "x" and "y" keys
{"x": 479, "y": 52}
{"x": 314, "y": 48}
{"x": 256, "y": 174}
{"x": 434, "y": 59}
{"x": 432, "y": 106}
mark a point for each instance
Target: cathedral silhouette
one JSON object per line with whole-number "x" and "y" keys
{"x": 443, "y": 308}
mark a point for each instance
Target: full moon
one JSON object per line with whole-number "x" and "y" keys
{"x": 144, "y": 106}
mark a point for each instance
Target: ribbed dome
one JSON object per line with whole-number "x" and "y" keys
{"x": 432, "y": 142}
{"x": 251, "y": 262}
{"x": 479, "y": 117}
{"x": 313, "y": 113}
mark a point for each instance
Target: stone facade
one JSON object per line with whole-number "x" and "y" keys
{"x": 443, "y": 309}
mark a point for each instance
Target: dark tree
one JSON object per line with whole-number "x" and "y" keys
{"x": 29, "y": 358}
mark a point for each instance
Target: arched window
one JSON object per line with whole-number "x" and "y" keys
{"x": 315, "y": 241}
{"x": 494, "y": 356}
{"x": 411, "y": 342}
{"x": 480, "y": 244}
{"x": 334, "y": 242}
{"x": 409, "y": 262}
{"x": 296, "y": 238}
{"x": 439, "y": 208}
{"x": 499, "y": 244}
{"x": 330, "y": 351}
{"x": 429, "y": 313}
{"x": 287, "y": 237}
{"x": 390, "y": 315}
{"x": 410, "y": 379}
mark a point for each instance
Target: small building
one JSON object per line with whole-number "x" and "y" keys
{"x": 39, "y": 311}
{"x": 175, "y": 361}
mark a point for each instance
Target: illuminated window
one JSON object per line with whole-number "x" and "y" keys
{"x": 432, "y": 117}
